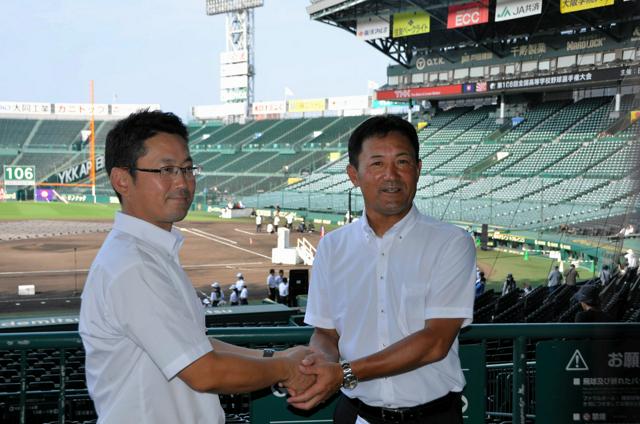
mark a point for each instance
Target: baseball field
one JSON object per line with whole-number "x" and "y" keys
{"x": 52, "y": 245}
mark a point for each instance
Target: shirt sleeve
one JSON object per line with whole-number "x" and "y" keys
{"x": 318, "y": 313}
{"x": 451, "y": 295}
{"x": 154, "y": 315}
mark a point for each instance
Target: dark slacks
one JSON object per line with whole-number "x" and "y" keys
{"x": 446, "y": 410}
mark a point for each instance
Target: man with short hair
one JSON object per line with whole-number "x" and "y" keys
{"x": 554, "y": 279}
{"x": 272, "y": 284}
{"x": 605, "y": 275}
{"x": 571, "y": 276}
{"x": 148, "y": 358}
{"x": 386, "y": 329}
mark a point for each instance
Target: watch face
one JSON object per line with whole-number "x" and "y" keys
{"x": 350, "y": 383}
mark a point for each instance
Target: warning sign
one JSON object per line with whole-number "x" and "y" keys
{"x": 588, "y": 381}
{"x": 577, "y": 363}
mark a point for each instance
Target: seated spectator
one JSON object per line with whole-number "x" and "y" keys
{"x": 605, "y": 275}
{"x": 509, "y": 285}
{"x": 589, "y": 299}
{"x": 481, "y": 282}
{"x": 526, "y": 289}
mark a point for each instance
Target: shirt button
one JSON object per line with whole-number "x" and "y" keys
{"x": 381, "y": 277}
{"x": 382, "y": 311}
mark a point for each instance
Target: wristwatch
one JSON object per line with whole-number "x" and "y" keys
{"x": 349, "y": 380}
{"x": 268, "y": 353}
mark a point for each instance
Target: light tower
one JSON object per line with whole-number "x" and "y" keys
{"x": 237, "y": 63}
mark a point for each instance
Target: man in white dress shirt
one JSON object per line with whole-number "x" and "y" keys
{"x": 389, "y": 339}
{"x": 148, "y": 358}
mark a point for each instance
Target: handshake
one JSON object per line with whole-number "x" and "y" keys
{"x": 311, "y": 378}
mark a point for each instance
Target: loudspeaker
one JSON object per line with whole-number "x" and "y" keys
{"x": 484, "y": 237}
{"x": 298, "y": 284}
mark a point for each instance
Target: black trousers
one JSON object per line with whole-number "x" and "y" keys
{"x": 449, "y": 412}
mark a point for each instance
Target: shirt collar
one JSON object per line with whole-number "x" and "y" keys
{"x": 400, "y": 228}
{"x": 169, "y": 242}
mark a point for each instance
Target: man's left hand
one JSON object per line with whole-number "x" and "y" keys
{"x": 329, "y": 378}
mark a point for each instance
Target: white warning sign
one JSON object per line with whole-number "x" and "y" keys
{"x": 577, "y": 362}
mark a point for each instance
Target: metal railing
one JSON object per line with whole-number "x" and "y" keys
{"x": 510, "y": 384}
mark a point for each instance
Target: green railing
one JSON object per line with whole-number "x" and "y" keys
{"x": 518, "y": 388}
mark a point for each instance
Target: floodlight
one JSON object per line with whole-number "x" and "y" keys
{"x": 215, "y": 7}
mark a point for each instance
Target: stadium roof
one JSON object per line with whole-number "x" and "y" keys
{"x": 615, "y": 21}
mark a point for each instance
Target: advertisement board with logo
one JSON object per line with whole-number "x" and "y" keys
{"x": 372, "y": 27}
{"x": 306, "y": 105}
{"x": 21, "y": 108}
{"x": 268, "y": 108}
{"x": 467, "y": 14}
{"x": 515, "y": 9}
{"x": 419, "y": 92}
{"x": 568, "y": 6}
{"x": 411, "y": 23}
{"x": 82, "y": 109}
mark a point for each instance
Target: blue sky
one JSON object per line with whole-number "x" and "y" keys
{"x": 167, "y": 52}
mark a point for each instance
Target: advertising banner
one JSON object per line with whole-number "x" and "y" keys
{"x": 77, "y": 172}
{"x": 44, "y": 195}
{"x": 372, "y": 27}
{"x": 418, "y": 92}
{"x": 306, "y": 105}
{"x": 268, "y": 108}
{"x": 347, "y": 102}
{"x": 568, "y": 6}
{"x": 233, "y": 95}
{"x": 23, "y": 108}
{"x": 82, "y": 109}
{"x": 596, "y": 75}
{"x": 128, "y": 109}
{"x": 240, "y": 68}
{"x": 467, "y": 14}
{"x": 234, "y": 56}
{"x": 515, "y": 9}
{"x": 411, "y": 23}
{"x": 218, "y": 111}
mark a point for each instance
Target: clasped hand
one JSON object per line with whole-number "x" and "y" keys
{"x": 326, "y": 378}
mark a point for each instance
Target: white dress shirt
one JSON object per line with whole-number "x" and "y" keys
{"x": 141, "y": 323}
{"x": 272, "y": 281}
{"x": 283, "y": 289}
{"x": 377, "y": 291}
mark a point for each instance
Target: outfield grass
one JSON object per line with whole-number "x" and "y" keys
{"x": 533, "y": 271}
{"x": 21, "y": 211}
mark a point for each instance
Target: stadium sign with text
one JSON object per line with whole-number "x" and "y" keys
{"x": 372, "y": 27}
{"x": 20, "y": 108}
{"x": 568, "y": 6}
{"x": 515, "y": 9}
{"x": 411, "y": 23}
{"x": 20, "y": 175}
{"x": 467, "y": 14}
{"x": 419, "y": 92}
{"x": 596, "y": 75}
{"x": 588, "y": 381}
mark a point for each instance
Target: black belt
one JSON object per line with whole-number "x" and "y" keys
{"x": 433, "y": 407}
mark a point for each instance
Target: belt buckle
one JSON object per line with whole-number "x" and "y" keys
{"x": 394, "y": 415}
